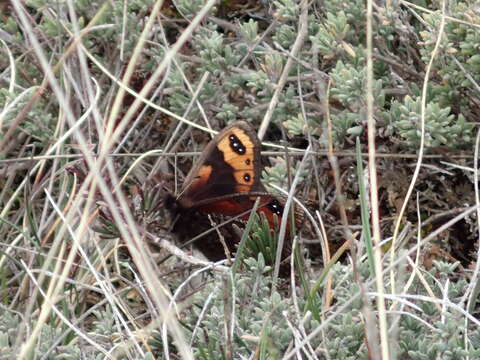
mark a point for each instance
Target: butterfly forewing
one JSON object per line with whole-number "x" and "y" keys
{"x": 230, "y": 164}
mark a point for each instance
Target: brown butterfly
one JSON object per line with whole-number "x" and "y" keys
{"x": 225, "y": 181}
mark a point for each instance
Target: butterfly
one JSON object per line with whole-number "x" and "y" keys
{"x": 225, "y": 181}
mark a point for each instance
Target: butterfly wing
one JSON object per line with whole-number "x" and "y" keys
{"x": 227, "y": 176}
{"x": 230, "y": 164}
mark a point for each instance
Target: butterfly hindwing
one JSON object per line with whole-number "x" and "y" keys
{"x": 241, "y": 205}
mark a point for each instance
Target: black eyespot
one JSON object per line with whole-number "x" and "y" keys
{"x": 275, "y": 207}
{"x": 247, "y": 177}
{"x": 237, "y": 145}
{"x": 247, "y": 162}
